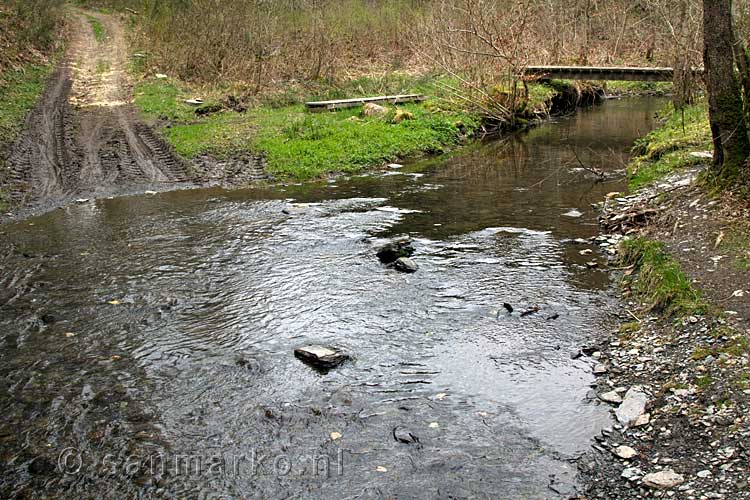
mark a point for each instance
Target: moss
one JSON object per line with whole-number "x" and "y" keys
{"x": 701, "y": 353}
{"x": 659, "y": 281}
{"x": 628, "y": 329}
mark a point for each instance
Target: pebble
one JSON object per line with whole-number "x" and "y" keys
{"x": 664, "y": 479}
{"x": 625, "y": 452}
{"x": 611, "y": 397}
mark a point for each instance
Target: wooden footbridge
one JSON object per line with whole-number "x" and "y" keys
{"x": 604, "y": 73}
{"x": 623, "y": 73}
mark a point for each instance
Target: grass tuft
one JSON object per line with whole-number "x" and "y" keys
{"x": 100, "y": 32}
{"x": 660, "y": 281}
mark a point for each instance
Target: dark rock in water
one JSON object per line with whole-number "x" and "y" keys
{"x": 404, "y": 435}
{"x": 48, "y": 319}
{"x": 405, "y": 265}
{"x": 321, "y": 356}
{"x": 508, "y": 308}
{"x": 391, "y": 252}
{"x": 553, "y": 316}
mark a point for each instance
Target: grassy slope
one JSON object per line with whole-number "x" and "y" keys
{"x": 668, "y": 148}
{"x": 19, "y": 91}
{"x": 304, "y": 145}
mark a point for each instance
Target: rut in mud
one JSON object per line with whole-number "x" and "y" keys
{"x": 84, "y": 139}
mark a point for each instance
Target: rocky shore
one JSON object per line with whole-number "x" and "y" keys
{"x": 678, "y": 381}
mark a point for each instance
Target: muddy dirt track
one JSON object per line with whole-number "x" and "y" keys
{"x": 83, "y": 139}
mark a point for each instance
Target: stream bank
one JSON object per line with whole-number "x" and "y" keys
{"x": 277, "y": 134}
{"x": 684, "y": 339}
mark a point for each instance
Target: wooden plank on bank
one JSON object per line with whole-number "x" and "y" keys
{"x": 351, "y": 103}
{"x": 621, "y": 73}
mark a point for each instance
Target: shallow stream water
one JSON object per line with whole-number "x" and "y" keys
{"x": 146, "y": 342}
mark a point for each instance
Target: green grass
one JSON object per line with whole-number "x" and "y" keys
{"x": 667, "y": 149}
{"x": 659, "y": 281}
{"x": 704, "y": 381}
{"x": 19, "y": 92}
{"x": 100, "y": 32}
{"x": 638, "y": 88}
{"x": 304, "y": 145}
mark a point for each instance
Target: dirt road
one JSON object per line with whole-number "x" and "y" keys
{"x": 84, "y": 139}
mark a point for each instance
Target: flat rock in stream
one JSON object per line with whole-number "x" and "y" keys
{"x": 321, "y": 356}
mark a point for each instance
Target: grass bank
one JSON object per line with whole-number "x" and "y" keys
{"x": 19, "y": 91}
{"x": 303, "y": 145}
{"x": 625, "y": 88}
{"x": 658, "y": 281}
{"x": 671, "y": 146}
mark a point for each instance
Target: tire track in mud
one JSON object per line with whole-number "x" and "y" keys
{"x": 83, "y": 139}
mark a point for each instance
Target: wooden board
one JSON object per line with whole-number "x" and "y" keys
{"x": 351, "y": 103}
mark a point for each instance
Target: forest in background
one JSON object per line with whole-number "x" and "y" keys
{"x": 262, "y": 45}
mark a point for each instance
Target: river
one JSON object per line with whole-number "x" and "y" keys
{"x": 147, "y": 341}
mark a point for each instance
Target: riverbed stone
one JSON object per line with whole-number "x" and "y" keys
{"x": 392, "y": 251}
{"x": 632, "y": 407}
{"x": 664, "y": 479}
{"x": 404, "y": 435}
{"x": 611, "y": 397}
{"x": 320, "y": 356}
{"x": 625, "y": 452}
{"x": 405, "y": 265}
{"x": 600, "y": 369}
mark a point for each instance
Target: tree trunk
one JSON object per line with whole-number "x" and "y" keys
{"x": 742, "y": 58}
{"x": 728, "y": 126}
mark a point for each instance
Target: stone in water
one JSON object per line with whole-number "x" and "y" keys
{"x": 320, "y": 356}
